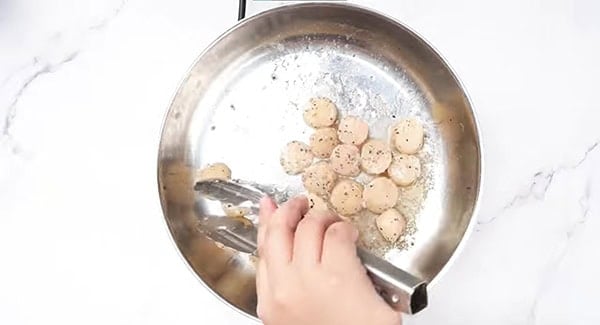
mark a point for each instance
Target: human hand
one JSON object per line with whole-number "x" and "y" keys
{"x": 309, "y": 271}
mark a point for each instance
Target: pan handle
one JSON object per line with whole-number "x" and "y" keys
{"x": 242, "y": 9}
{"x": 243, "y": 5}
{"x": 401, "y": 290}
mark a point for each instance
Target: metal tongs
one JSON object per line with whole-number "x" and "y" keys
{"x": 401, "y": 290}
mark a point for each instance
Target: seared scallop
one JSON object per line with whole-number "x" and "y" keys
{"x": 405, "y": 169}
{"x": 321, "y": 112}
{"x": 319, "y": 178}
{"x": 391, "y": 224}
{"x": 375, "y": 156}
{"x": 316, "y": 203}
{"x": 346, "y": 197}
{"x": 323, "y": 141}
{"x": 235, "y": 211}
{"x": 380, "y": 194}
{"x": 353, "y": 130}
{"x": 295, "y": 157}
{"x": 214, "y": 171}
{"x": 407, "y": 136}
{"x": 345, "y": 160}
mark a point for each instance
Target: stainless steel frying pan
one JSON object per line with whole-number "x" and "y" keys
{"x": 243, "y": 100}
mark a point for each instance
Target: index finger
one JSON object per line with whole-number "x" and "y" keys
{"x": 279, "y": 237}
{"x": 267, "y": 208}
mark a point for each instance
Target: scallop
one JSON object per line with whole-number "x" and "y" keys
{"x": 375, "y": 156}
{"x": 319, "y": 178}
{"x": 235, "y": 211}
{"x": 391, "y": 224}
{"x": 345, "y": 160}
{"x": 405, "y": 169}
{"x": 323, "y": 141}
{"x": 353, "y": 130}
{"x": 380, "y": 194}
{"x": 321, "y": 112}
{"x": 215, "y": 171}
{"x": 407, "y": 136}
{"x": 295, "y": 157}
{"x": 346, "y": 197}
{"x": 316, "y": 203}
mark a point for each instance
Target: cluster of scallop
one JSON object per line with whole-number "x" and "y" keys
{"x": 344, "y": 152}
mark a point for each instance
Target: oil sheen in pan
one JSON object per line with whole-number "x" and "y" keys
{"x": 261, "y": 110}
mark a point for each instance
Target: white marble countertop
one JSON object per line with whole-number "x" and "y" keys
{"x": 84, "y": 86}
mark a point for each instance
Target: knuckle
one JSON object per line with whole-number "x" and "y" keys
{"x": 297, "y": 203}
{"x": 292, "y": 203}
{"x": 283, "y": 297}
{"x": 311, "y": 222}
{"x": 338, "y": 230}
{"x": 333, "y": 280}
{"x": 280, "y": 297}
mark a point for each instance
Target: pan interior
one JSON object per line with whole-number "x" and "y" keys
{"x": 243, "y": 101}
